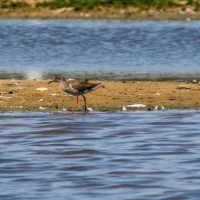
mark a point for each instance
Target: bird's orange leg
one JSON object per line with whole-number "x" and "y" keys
{"x": 73, "y": 109}
{"x": 86, "y": 110}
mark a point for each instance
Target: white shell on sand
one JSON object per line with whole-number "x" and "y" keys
{"x": 183, "y": 87}
{"x": 42, "y": 108}
{"x": 136, "y": 106}
{"x": 124, "y": 108}
{"x": 42, "y": 89}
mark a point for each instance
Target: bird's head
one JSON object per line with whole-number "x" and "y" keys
{"x": 58, "y": 78}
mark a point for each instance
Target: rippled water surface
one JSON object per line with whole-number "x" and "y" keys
{"x": 99, "y": 49}
{"x": 100, "y": 155}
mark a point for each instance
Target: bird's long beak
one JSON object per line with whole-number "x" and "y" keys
{"x": 54, "y": 80}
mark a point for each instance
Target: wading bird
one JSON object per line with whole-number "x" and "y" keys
{"x": 76, "y": 88}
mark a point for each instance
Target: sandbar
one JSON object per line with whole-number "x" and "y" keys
{"x": 37, "y": 95}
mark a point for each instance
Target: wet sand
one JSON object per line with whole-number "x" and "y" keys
{"x": 21, "y": 95}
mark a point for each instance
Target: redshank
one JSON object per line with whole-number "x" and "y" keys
{"x": 76, "y": 88}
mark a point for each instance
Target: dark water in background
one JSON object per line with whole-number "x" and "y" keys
{"x": 99, "y": 49}
{"x": 100, "y": 155}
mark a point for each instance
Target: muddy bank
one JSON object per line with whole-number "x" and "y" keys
{"x": 100, "y": 13}
{"x": 22, "y": 95}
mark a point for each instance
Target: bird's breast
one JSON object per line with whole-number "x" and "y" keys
{"x": 68, "y": 88}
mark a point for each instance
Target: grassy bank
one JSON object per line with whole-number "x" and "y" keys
{"x": 101, "y": 9}
{"x": 142, "y": 4}
{"x": 91, "y": 4}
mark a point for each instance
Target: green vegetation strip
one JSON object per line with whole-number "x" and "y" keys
{"x": 90, "y": 4}
{"x": 13, "y": 4}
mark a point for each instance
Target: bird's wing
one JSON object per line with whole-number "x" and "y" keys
{"x": 84, "y": 85}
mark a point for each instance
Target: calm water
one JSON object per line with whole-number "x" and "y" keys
{"x": 100, "y": 155}
{"x": 99, "y": 49}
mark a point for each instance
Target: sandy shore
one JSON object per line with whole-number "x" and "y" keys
{"x": 22, "y": 95}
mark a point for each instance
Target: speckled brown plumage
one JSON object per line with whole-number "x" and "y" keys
{"x": 76, "y": 88}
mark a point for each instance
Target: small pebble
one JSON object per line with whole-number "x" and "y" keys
{"x": 17, "y": 83}
{"x": 54, "y": 106}
{"x": 40, "y": 100}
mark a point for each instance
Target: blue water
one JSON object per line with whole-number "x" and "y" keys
{"x": 100, "y": 155}
{"x": 99, "y": 49}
